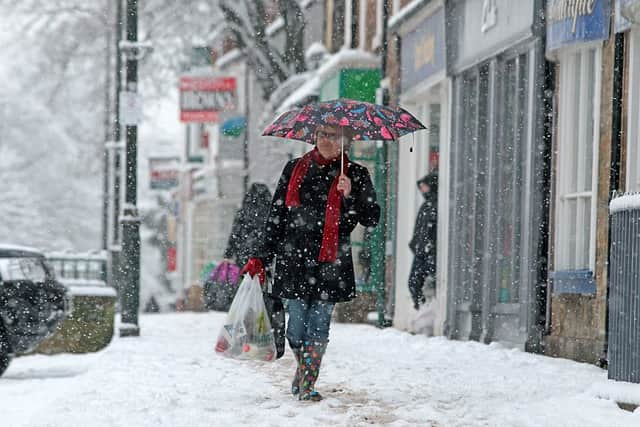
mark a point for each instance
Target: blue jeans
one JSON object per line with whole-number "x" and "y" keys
{"x": 308, "y": 321}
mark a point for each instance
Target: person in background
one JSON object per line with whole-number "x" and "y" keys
{"x": 248, "y": 224}
{"x": 314, "y": 210}
{"x": 423, "y": 242}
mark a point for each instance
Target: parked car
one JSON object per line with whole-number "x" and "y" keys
{"x": 32, "y": 302}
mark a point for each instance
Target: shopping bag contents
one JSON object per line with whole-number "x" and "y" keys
{"x": 247, "y": 334}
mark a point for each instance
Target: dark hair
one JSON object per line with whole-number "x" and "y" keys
{"x": 431, "y": 180}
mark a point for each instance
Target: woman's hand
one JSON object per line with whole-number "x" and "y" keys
{"x": 344, "y": 185}
{"x": 254, "y": 267}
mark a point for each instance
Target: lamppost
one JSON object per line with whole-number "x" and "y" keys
{"x": 130, "y": 116}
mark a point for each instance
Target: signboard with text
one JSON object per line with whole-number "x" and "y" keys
{"x": 423, "y": 51}
{"x": 130, "y": 113}
{"x": 202, "y": 98}
{"x": 163, "y": 172}
{"x": 577, "y": 21}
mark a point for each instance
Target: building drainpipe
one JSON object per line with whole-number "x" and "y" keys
{"x": 385, "y": 45}
{"x": 614, "y": 174}
{"x": 548, "y": 125}
{"x": 544, "y": 302}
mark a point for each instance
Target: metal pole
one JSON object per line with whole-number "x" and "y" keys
{"x": 116, "y": 165}
{"x": 130, "y": 220}
{"x": 380, "y": 282}
{"x": 246, "y": 127}
{"x": 106, "y": 205}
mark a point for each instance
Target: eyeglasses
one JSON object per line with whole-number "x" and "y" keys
{"x": 328, "y": 135}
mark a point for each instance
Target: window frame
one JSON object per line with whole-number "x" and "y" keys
{"x": 348, "y": 23}
{"x": 569, "y": 131}
{"x": 632, "y": 183}
{"x": 362, "y": 24}
{"x": 376, "y": 42}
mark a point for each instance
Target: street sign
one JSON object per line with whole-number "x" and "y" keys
{"x": 203, "y": 97}
{"x": 130, "y": 108}
{"x": 163, "y": 172}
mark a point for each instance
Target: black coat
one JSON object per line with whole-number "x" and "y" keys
{"x": 425, "y": 233}
{"x": 294, "y": 235}
{"x": 248, "y": 224}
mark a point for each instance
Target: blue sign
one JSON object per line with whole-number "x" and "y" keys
{"x": 577, "y": 21}
{"x": 234, "y": 126}
{"x": 423, "y": 51}
{"x": 620, "y": 24}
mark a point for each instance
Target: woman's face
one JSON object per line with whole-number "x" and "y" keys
{"x": 328, "y": 141}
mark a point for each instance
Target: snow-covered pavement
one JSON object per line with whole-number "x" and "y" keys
{"x": 170, "y": 376}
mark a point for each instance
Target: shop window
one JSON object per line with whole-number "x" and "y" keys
{"x": 633, "y": 130}
{"x": 469, "y": 176}
{"x": 577, "y": 159}
{"x": 509, "y": 159}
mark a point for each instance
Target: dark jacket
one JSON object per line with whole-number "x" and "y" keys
{"x": 425, "y": 233}
{"x": 248, "y": 224}
{"x": 294, "y": 235}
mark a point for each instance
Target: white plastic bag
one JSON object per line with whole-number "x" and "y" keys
{"x": 247, "y": 334}
{"x": 425, "y": 318}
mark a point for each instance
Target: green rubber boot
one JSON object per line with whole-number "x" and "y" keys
{"x": 311, "y": 361}
{"x": 295, "y": 385}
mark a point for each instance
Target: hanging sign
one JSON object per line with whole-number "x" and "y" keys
{"x": 202, "y": 98}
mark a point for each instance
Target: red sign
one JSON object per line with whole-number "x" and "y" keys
{"x": 163, "y": 172}
{"x": 203, "y": 97}
{"x": 172, "y": 259}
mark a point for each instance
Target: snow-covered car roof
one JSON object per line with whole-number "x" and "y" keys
{"x": 9, "y": 250}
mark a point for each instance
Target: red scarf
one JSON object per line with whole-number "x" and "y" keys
{"x": 329, "y": 248}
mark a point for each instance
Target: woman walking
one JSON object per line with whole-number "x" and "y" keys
{"x": 314, "y": 210}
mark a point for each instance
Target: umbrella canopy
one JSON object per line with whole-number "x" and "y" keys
{"x": 365, "y": 121}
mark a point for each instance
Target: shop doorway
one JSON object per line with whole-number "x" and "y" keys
{"x": 419, "y": 154}
{"x": 493, "y": 231}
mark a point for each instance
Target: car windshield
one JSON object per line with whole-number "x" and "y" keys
{"x": 22, "y": 268}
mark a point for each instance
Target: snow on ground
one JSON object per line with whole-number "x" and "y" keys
{"x": 170, "y": 376}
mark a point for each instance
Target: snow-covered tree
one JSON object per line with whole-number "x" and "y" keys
{"x": 53, "y": 119}
{"x": 248, "y": 20}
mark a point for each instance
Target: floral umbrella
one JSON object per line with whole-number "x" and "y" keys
{"x": 365, "y": 121}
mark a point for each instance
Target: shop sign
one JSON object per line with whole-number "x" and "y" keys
{"x": 576, "y": 21}
{"x": 423, "y": 51}
{"x": 489, "y": 15}
{"x": 172, "y": 259}
{"x": 202, "y": 98}
{"x": 481, "y": 29}
{"x": 163, "y": 172}
{"x": 620, "y": 24}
